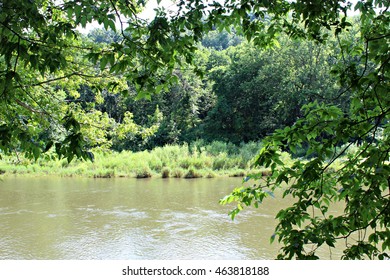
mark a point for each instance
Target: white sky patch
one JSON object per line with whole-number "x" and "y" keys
{"x": 149, "y": 11}
{"x": 170, "y": 6}
{"x": 147, "y": 14}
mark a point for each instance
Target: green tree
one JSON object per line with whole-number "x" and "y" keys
{"x": 261, "y": 90}
{"x": 99, "y": 35}
{"x": 43, "y": 59}
{"x": 41, "y": 56}
{"x": 244, "y": 108}
{"x": 362, "y": 181}
{"x": 359, "y": 135}
{"x": 221, "y": 40}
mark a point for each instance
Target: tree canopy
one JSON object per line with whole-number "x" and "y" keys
{"x": 44, "y": 61}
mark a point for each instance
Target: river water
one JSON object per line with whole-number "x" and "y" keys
{"x": 128, "y": 219}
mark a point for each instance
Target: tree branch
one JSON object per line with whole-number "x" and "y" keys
{"x": 63, "y": 77}
{"x": 24, "y": 105}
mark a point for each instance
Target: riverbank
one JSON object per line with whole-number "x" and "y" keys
{"x": 172, "y": 161}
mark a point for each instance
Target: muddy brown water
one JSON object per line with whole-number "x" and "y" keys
{"x": 110, "y": 219}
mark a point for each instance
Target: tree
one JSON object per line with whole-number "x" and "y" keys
{"x": 221, "y": 40}
{"x": 359, "y": 135}
{"x": 42, "y": 57}
{"x": 362, "y": 180}
{"x": 261, "y": 90}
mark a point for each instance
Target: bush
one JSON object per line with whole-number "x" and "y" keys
{"x": 143, "y": 172}
{"x": 192, "y": 173}
{"x": 177, "y": 173}
{"x": 248, "y": 151}
{"x": 217, "y": 147}
{"x": 165, "y": 173}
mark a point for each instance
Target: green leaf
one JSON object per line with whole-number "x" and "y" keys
{"x": 70, "y": 12}
{"x": 103, "y": 62}
{"x": 77, "y": 11}
{"x": 83, "y": 21}
{"x": 159, "y": 88}
{"x": 112, "y": 25}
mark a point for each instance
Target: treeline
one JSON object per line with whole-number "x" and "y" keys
{"x": 242, "y": 94}
{"x": 236, "y": 93}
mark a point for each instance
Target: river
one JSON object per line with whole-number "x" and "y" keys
{"x": 129, "y": 219}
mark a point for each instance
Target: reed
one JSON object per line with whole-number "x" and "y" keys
{"x": 179, "y": 161}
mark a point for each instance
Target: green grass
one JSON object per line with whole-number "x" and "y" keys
{"x": 171, "y": 161}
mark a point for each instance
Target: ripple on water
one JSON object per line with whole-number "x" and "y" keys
{"x": 52, "y": 216}
{"x": 116, "y": 212}
{"x": 169, "y": 221}
{"x": 129, "y": 245}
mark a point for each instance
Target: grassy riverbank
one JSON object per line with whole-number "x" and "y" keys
{"x": 177, "y": 161}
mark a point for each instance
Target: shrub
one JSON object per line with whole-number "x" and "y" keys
{"x": 177, "y": 173}
{"x": 165, "y": 173}
{"x": 192, "y": 173}
{"x": 143, "y": 172}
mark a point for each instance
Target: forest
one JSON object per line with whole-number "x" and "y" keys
{"x": 286, "y": 93}
{"x": 240, "y": 95}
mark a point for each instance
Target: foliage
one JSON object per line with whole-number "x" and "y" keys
{"x": 221, "y": 40}
{"x": 183, "y": 106}
{"x": 362, "y": 181}
{"x": 259, "y": 91}
{"x": 43, "y": 57}
{"x": 46, "y": 66}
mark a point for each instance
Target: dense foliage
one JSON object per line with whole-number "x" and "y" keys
{"x": 310, "y": 81}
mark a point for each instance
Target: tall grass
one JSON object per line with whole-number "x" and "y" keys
{"x": 187, "y": 161}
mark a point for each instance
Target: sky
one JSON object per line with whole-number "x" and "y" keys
{"x": 152, "y": 4}
{"x": 149, "y": 12}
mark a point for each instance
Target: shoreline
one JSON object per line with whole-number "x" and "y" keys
{"x": 172, "y": 161}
